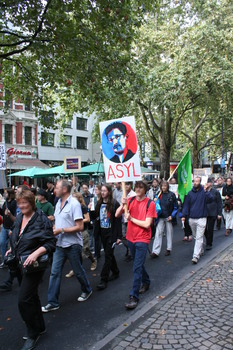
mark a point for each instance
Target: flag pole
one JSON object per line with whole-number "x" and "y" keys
{"x": 175, "y": 170}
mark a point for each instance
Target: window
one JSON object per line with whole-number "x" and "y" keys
{"x": 28, "y": 104}
{"x": 68, "y": 124}
{"x": 47, "y": 139}
{"x": 8, "y": 133}
{"x": 48, "y": 118}
{"x": 81, "y": 124}
{"x": 28, "y": 135}
{"x": 66, "y": 141}
{"x": 81, "y": 142}
{"x": 8, "y": 99}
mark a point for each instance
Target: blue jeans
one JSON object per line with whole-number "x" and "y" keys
{"x": 74, "y": 255}
{"x": 4, "y": 238}
{"x": 140, "y": 276}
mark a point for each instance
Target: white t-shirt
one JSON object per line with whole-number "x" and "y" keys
{"x": 65, "y": 218}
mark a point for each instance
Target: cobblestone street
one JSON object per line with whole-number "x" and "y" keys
{"x": 198, "y": 315}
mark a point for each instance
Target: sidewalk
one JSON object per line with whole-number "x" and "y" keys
{"x": 197, "y": 315}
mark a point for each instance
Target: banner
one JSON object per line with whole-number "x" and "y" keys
{"x": 184, "y": 176}
{"x": 120, "y": 150}
{"x": 2, "y": 157}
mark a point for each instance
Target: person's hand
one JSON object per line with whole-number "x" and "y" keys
{"x": 118, "y": 241}
{"x": 127, "y": 216}
{"x": 8, "y": 252}
{"x": 123, "y": 201}
{"x": 205, "y": 187}
{"x": 219, "y": 217}
{"x": 183, "y": 219}
{"x": 155, "y": 199}
{"x": 56, "y": 231}
{"x": 169, "y": 218}
{"x": 226, "y": 197}
{"x": 31, "y": 259}
{"x": 89, "y": 205}
{"x": 7, "y": 212}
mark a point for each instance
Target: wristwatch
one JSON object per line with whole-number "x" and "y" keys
{"x": 62, "y": 231}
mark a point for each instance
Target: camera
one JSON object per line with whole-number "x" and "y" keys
{"x": 11, "y": 261}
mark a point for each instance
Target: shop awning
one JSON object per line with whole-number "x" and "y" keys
{"x": 22, "y": 163}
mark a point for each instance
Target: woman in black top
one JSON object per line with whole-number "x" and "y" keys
{"x": 110, "y": 229}
{"x": 32, "y": 236}
{"x": 8, "y": 212}
{"x": 227, "y": 192}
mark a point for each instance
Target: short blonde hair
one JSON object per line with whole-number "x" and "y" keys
{"x": 28, "y": 196}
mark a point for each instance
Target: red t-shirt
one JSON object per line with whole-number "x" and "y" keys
{"x": 137, "y": 210}
{"x": 1, "y": 221}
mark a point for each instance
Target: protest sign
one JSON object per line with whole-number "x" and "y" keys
{"x": 120, "y": 150}
{"x": 71, "y": 164}
{"x": 2, "y": 157}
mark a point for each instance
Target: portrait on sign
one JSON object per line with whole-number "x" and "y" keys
{"x": 120, "y": 150}
{"x": 119, "y": 142}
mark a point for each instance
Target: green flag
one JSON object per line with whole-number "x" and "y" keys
{"x": 184, "y": 176}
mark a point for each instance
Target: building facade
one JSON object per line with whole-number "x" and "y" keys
{"x": 75, "y": 140}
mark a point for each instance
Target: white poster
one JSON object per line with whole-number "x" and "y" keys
{"x": 120, "y": 150}
{"x": 2, "y": 157}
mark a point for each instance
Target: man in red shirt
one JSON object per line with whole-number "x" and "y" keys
{"x": 141, "y": 211}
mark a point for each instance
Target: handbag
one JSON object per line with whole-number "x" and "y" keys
{"x": 40, "y": 264}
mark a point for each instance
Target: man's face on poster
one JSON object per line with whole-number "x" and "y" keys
{"x": 118, "y": 141}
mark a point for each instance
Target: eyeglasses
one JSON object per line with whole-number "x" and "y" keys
{"x": 115, "y": 137}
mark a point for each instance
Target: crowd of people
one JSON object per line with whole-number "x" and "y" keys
{"x": 70, "y": 221}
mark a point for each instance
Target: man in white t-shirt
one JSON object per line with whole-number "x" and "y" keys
{"x": 67, "y": 229}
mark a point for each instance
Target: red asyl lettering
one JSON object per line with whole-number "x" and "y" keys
{"x": 12, "y": 150}
{"x": 136, "y": 175}
{"x": 118, "y": 167}
{"x": 111, "y": 172}
{"x": 127, "y": 167}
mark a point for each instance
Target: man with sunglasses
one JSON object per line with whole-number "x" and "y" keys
{"x": 140, "y": 215}
{"x": 117, "y": 136}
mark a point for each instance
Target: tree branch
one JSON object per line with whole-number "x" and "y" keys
{"x": 148, "y": 128}
{"x": 186, "y": 108}
{"x": 203, "y": 119}
{"x": 205, "y": 144}
{"x": 32, "y": 39}
{"x": 154, "y": 124}
{"x": 187, "y": 135}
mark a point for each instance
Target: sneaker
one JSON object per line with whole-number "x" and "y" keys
{"x": 133, "y": 302}
{"x": 153, "y": 256}
{"x": 190, "y": 238}
{"x": 185, "y": 238}
{"x": 194, "y": 260}
{"x": 93, "y": 265}
{"x": 49, "y": 307}
{"x": 84, "y": 296}
{"x": 25, "y": 337}
{"x": 70, "y": 274}
{"x": 30, "y": 343}
{"x": 167, "y": 253}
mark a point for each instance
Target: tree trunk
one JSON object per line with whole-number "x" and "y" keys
{"x": 164, "y": 160}
{"x": 196, "y": 160}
